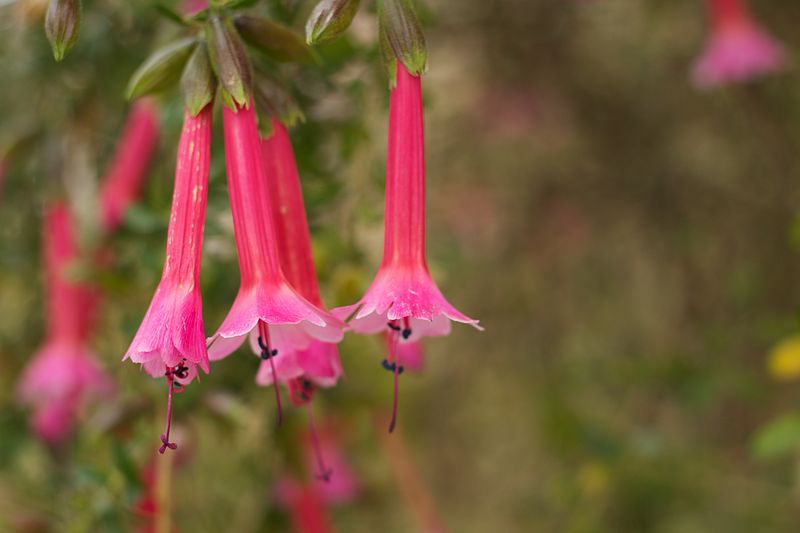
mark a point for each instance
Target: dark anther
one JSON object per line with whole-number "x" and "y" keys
{"x": 179, "y": 371}
{"x": 393, "y": 326}
{"x": 406, "y": 333}
{"x": 266, "y": 353}
{"x": 387, "y": 365}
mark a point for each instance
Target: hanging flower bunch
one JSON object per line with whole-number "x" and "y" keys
{"x": 279, "y": 310}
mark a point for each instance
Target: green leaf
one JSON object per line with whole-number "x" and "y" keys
{"x": 275, "y": 40}
{"x": 780, "y": 437}
{"x": 274, "y": 100}
{"x": 170, "y": 14}
{"x": 161, "y": 70}
{"x": 198, "y": 83}
{"x": 62, "y": 25}
{"x": 329, "y": 19}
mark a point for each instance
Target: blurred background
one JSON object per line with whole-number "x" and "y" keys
{"x": 628, "y": 239}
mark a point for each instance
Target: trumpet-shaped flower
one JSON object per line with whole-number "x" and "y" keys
{"x": 319, "y": 362}
{"x": 171, "y": 341}
{"x": 64, "y": 371}
{"x": 403, "y": 297}
{"x": 128, "y": 167}
{"x": 738, "y": 49}
{"x": 275, "y": 316}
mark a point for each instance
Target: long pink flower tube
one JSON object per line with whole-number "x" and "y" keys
{"x": 403, "y": 297}
{"x": 320, "y": 361}
{"x": 171, "y": 341}
{"x": 125, "y": 175}
{"x": 267, "y": 308}
{"x": 737, "y": 50}
{"x": 64, "y": 371}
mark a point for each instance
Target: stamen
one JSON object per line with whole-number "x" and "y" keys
{"x": 392, "y": 365}
{"x": 325, "y": 472}
{"x": 180, "y": 371}
{"x": 406, "y": 328}
{"x": 267, "y": 354}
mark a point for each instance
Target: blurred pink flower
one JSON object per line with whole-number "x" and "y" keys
{"x": 738, "y": 49}
{"x": 63, "y": 373}
{"x": 319, "y": 362}
{"x": 409, "y": 355}
{"x": 403, "y": 297}
{"x": 128, "y": 168}
{"x": 267, "y": 308}
{"x": 171, "y": 341}
{"x": 342, "y": 484}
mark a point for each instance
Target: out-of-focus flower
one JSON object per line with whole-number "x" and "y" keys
{"x": 171, "y": 340}
{"x": 403, "y": 297}
{"x": 409, "y": 354}
{"x": 267, "y": 308}
{"x": 306, "y": 505}
{"x": 319, "y": 362}
{"x": 128, "y": 168}
{"x": 784, "y": 360}
{"x": 738, "y": 49}
{"x": 64, "y": 372}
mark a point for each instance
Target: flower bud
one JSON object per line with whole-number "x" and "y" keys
{"x": 62, "y": 24}
{"x": 401, "y": 33}
{"x": 329, "y": 19}
{"x": 275, "y": 40}
{"x": 198, "y": 83}
{"x": 160, "y": 70}
{"x": 229, "y": 60}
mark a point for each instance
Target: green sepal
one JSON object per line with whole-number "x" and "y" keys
{"x": 62, "y": 25}
{"x": 161, "y": 70}
{"x": 403, "y": 33}
{"x": 198, "y": 83}
{"x": 229, "y": 61}
{"x": 329, "y": 19}
{"x": 273, "y": 100}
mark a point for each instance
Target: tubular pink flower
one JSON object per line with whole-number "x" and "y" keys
{"x": 319, "y": 362}
{"x": 267, "y": 308}
{"x": 128, "y": 168}
{"x": 171, "y": 339}
{"x": 64, "y": 372}
{"x": 403, "y": 296}
{"x": 738, "y": 49}
{"x": 172, "y": 329}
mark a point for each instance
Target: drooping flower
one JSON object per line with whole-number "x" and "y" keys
{"x": 171, "y": 341}
{"x": 267, "y": 308}
{"x": 403, "y": 297}
{"x": 319, "y": 362}
{"x": 64, "y": 372}
{"x": 128, "y": 168}
{"x": 738, "y": 49}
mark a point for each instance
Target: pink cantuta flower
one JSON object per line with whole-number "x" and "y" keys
{"x": 738, "y": 48}
{"x": 64, "y": 372}
{"x": 319, "y": 362}
{"x": 403, "y": 296}
{"x": 128, "y": 168}
{"x": 171, "y": 341}
{"x": 267, "y": 308}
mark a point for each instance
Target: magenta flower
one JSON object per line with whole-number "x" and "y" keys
{"x": 267, "y": 308}
{"x": 171, "y": 340}
{"x": 738, "y": 48}
{"x": 403, "y": 297}
{"x": 319, "y": 362}
{"x": 409, "y": 355}
{"x": 130, "y": 162}
{"x": 64, "y": 372}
